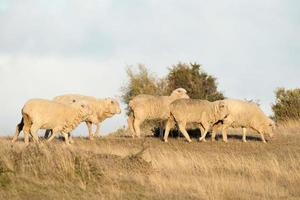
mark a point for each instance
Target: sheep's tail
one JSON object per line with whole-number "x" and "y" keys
{"x": 19, "y": 128}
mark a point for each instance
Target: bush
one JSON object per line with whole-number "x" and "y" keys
{"x": 141, "y": 82}
{"x": 287, "y": 105}
{"x": 198, "y": 83}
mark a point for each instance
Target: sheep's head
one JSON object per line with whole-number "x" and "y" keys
{"x": 269, "y": 127}
{"x": 179, "y": 93}
{"x": 112, "y": 106}
{"x": 221, "y": 110}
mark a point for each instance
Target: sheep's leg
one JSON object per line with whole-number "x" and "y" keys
{"x": 161, "y": 131}
{"x": 182, "y": 129}
{"x": 66, "y": 136}
{"x": 169, "y": 125}
{"x": 136, "y": 125}
{"x": 70, "y": 138}
{"x": 244, "y": 134}
{"x": 90, "y": 128}
{"x": 97, "y": 133}
{"x": 214, "y": 130}
{"x": 204, "y": 129}
{"x": 26, "y": 131}
{"x": 262, "y": 137}
{"x": 213, "y": 134}
{"x": 26, "y": 128}
{"x": 224, "y": 134}
{"x": 130, "y": 122}
{"x": 52, "y": 136}
{"x": 19, "y": 128}
{"x": 33, "y": 130}
{"x": 203, "y": 133}
{"x": 47, "y": 133}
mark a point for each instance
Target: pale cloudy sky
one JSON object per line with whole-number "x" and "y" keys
{"x": 48, "y": 48}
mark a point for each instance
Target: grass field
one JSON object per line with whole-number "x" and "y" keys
{"x": 116, "y": 167}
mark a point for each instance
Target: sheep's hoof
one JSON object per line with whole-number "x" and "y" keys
{"x": 245, "y": 141}
{"x": 91, "y": 138}
{"x": 189, "y": 141}
{"x": 165, "y": 140}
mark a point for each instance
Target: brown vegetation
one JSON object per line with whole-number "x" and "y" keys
{"x": 118, "y": 167}
{"x": 287, "y": 104}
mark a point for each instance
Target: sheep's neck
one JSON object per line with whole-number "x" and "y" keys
{"x": 173, "y": 98}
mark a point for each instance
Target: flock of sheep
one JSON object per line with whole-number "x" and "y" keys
{"x": 65, "y": 113}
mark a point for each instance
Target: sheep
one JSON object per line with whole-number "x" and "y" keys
{"x": 102, "y": 109}
{"x": 148, "y": 107}
{"x": 45, "y": 114}
{"x": 202, "y": 112}
{"x": 244, "y": 114}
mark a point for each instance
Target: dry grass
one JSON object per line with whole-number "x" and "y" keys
{"x": 115, "y": 168}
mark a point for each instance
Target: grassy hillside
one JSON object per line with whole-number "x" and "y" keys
{"x": 117, "y": 167}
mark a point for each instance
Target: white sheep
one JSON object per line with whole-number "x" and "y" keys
{"x": 202, "y": 112}
{"x": 244, "y": 114}
{"x": 102, "y": 109}
{"x": 148, "y": 107}
{"x": 44, "y": 114}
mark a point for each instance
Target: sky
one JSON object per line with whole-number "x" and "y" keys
{"x": 49, "y": 48}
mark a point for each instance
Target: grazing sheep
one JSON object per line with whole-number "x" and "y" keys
{"x": 202, "y": 112}
{"x": 44, "y": 114}
{"x": 102, "y": 109}
{"x": 147, "y": 107}
{"x": 243, "y": 114}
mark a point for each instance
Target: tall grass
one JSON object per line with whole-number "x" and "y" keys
{"x": 118, "y": 167}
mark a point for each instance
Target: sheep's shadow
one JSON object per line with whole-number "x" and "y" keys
{"x": 195, "y": 133}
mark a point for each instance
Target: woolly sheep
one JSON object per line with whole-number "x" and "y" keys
{"x": 202, "y": 112}
{"x": 148, "y": 107}
{"x": 245, "y": 115}
{"x": 45, "y": 114}
{"x": 102, "y": 109}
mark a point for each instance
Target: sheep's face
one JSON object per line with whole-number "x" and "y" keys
{"x": 269, "y": 127}
{"x": 113, "y": 106}
{"x": 180, "y": 93}
{"x": 222, "y": 109}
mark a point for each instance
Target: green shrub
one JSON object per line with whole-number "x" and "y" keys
{"x": 198, "y": 83}
{"x": 287, "y": 105}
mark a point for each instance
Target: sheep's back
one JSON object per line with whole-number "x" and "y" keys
{"x": 245, "y": 113}
{"x": 48, "y": 112}
{"x": 190, "y": 109}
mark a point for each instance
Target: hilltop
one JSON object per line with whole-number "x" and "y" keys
{"x": 118, "y": 167}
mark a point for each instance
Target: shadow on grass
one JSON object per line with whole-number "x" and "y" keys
{"x": 195, "y": 133}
